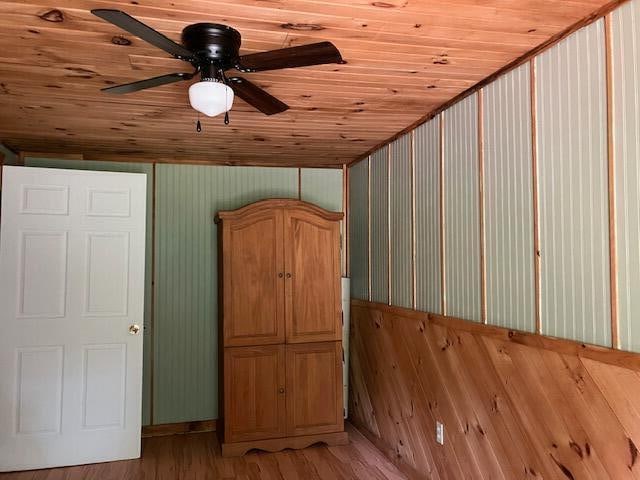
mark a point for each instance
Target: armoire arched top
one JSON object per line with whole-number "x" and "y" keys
{"x": 278, "y": 203}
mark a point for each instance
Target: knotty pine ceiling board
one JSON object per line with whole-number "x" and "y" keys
{"x": 405, "y": 58}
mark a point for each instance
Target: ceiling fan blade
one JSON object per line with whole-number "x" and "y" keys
{"x": 148, "y": 83}
{"x": 145, "y": 32}
{"x": 302, "y": 56}
{"x": 256, "y": 96}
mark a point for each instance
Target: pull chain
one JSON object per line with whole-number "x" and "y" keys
{"x": 226, "y": 100}
{"x": 198, "y": 126}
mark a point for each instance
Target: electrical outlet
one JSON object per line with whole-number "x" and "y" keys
{"x": 440, "y": 433}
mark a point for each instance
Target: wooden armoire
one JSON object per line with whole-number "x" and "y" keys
{"x": 280, "y": 327}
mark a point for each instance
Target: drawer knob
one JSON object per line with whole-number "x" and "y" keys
{"x": 281, "y": 390}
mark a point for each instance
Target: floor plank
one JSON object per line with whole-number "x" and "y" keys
{"x": 197, "y": 456}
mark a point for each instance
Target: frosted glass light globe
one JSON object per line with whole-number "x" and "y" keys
{"x": 210, "y": 97}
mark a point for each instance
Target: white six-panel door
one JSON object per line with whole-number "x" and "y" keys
{"x": 71, "y": 288}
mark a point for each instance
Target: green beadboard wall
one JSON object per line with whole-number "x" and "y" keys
{"x": 185, "y": 347}
{"x": 322, "y": 187}
{"x": 184, "y": 365}
{"x": 10, "y": 158}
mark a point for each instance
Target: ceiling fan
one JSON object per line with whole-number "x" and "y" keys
{"x": 213, "y": 49}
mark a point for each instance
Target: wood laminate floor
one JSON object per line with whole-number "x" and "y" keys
{"x": 197, "y": 456}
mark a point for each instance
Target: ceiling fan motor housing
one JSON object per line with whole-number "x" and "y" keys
{"x": 213, "y": 48}
{"x": 212, "y": 44}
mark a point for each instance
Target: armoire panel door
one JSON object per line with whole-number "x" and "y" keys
{"x": 312, "y": 283}
{"x": 253, "y": 286}
{"x": 314, "y": 388}
{"x": 254, "y": 393}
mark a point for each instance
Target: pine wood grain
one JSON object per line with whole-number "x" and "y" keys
{"x": 238, "y": 449}
{"x": 313, "y": 297}
{"x": 286, "y": 253}
{"x": 314, "y": 388}
{"x": 252, "y": 276}
{"x": 607, "y": 355}
{"x": 404, "y": 59}
{"x": 254, "y": 388}
{"x": 511, "y": 410}
{"x": 197, "y": 456}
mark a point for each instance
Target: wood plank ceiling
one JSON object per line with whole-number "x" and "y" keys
{"x": 404, "y": 59}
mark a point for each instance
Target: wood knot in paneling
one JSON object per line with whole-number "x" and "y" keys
{"x": 54, "y": 15}
{"x": 445, "y": 344}
{"x": 634, "y": 453}
{"x": 305, "y": 27}
{"x": 495, "y": 405}
{"x": 79, "y": 72}
{"x": 567, "y": 473}
{"x": 120, "y": 40}
{"x": 576, "y": 448}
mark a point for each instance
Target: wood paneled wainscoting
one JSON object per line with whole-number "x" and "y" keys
{"x": 514, "y": 405}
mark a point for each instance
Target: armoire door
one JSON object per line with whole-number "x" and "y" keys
{"x": 253, "y": 283}
{"x": 313, "y": 290}
{"x": 314, "y": 388}
{"x": 254, "y": 393}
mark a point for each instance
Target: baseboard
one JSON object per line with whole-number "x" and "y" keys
{"x": 197, "y": 426}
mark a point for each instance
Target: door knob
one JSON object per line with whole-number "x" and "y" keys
{"x": 134, "y": 329}
{"x": 281, "y": 390}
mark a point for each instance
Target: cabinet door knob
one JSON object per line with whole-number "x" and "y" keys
{"x": 281, "y": 390}
{"x": 280, "y": 275}
{"x": 288, "y": 275}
